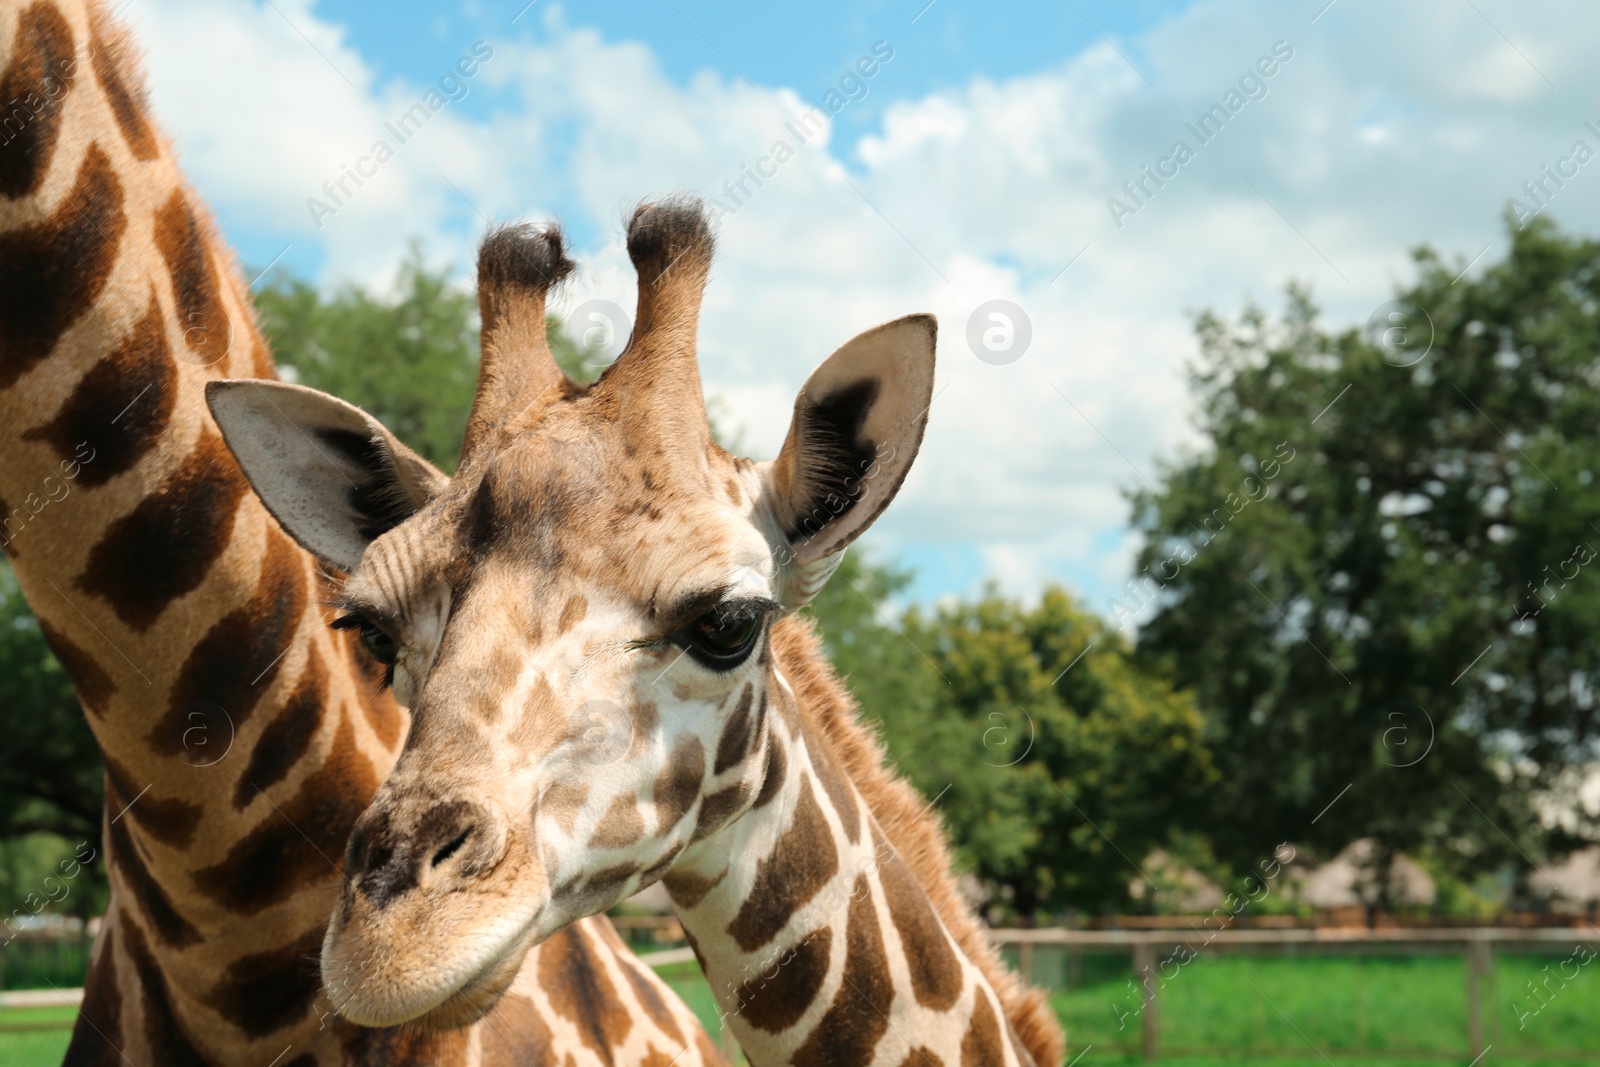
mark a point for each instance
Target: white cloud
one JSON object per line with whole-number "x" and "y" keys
{"x": 1389, "y": 126}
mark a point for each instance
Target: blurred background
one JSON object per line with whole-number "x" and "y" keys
{"x": 1238, "y": 616}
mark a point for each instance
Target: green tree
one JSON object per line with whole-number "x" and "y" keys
{"x": 1031, "y": 729}
{"x": 1377, "y": 576}
{"x": 50, "y": 777}
{"x": 51, "y": 781}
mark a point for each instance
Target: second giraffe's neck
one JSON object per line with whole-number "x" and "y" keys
{"x": 813, "y": 914}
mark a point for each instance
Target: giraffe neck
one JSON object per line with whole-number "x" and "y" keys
{"x": 825, "y": 917}
{"x": 241, "y": 736}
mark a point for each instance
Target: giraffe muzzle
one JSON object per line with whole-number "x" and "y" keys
{"x": 422, "y": 932}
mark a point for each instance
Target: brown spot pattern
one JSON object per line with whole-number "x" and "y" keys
{"x": 936, "y": 978}
{"x": 718, "y": 809}
{"x": 286, "y": 738}
{"x": 120, "y": 407}
{"x": 777, "y": 770}
{"x": 94, "y": 686}
{"x": 620, "y": 825}
{"x": 649, "y": 997}
{"x": 515, "y": 1015}
{"x": 799, "y": 865}
{"x": 298, "y": 840}
{"x": 678, "y": 784}
{"x": 270, "y": 990}
{"x": 776, "y": 1002}
{"x": 853, "y": 1024}
{"x": 562, "y": 802}
{"x": 97, "y": 1031}
{"x": 735, "y": 742}
{"x": 921, "y": 1056}
{"x": 576, "y": 608}
{"x": 609, "y": 880}
{"x": 981, "y": 1047}
{"x": 688, "y": 889}
{"x": 404, "y": 1046}
{"x": 660, "y": 867}
{"x": 169, "y": 820}
{"x": 580, "y": 991}
{"x": 150, "y": 896}
{"x": 182, "y": 240}
{"x": 35, "y": 87}
{"x": 52, "y": 272}
{"x": 840, "y": 794}
{"x": 169, "y": 1046}
{"x": 231, "y": 668}
{"x": 167, "y": 545}
{"x": 128, "y": 108}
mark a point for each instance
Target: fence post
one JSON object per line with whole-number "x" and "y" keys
{"x": 1025, "y": 961}
{"x": 1144, "y": 970}
{"x": 1479, "y": 962}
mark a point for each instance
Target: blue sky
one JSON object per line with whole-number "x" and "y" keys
{"x": 936, "y": 47}
{"x": 984, "y": 163}
{"x": 809, "y": 45}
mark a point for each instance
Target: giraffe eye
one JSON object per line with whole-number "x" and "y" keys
{"x": 378, "y": 644}
{"x": 721, "y": 638}
{"x": 375, "y": 640}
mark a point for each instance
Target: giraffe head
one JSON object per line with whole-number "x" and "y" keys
{"x": 578, "y": 619}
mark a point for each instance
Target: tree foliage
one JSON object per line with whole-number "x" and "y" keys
{"x": 52, "y": 787}
{"x": 1054, "y": 760}
{"x": 50, "y": 778}
{"x": 1378, "y": 574}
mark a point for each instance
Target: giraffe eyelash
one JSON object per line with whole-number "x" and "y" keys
{"x": 368, "y": 629}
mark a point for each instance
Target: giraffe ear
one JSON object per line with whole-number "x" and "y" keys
{"x": 331, "y": 475}
{"x": 857, "y": 426}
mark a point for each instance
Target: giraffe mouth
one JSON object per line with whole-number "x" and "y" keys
{"x": 441, "y": 984}
{"x": 478, "y": 995}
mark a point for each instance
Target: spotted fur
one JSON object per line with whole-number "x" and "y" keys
{"x": 242, "y": 737}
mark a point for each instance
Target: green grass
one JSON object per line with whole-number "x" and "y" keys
{"x": 1368, "y": 1011}
{"x": 34, "y": 1048}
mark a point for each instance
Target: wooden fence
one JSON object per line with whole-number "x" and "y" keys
{"x": 1149, "y": 947}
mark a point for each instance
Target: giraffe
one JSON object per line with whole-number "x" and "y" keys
{"x": 242, "y": 737}
{"x": 594, "y": 623}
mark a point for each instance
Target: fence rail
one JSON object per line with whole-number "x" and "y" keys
{"x": 1475, "y": 944}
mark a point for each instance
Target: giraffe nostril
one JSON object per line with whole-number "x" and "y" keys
{"x": 451, "y": 848}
